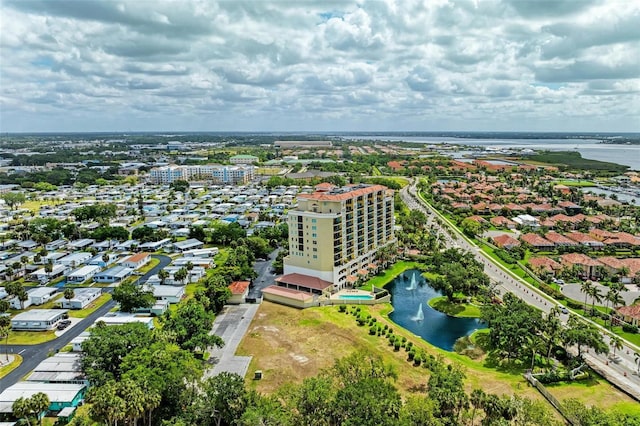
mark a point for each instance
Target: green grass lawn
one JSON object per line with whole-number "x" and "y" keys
{"x": 149, "y": 266}
{"x": 6, "y": 369}
{"x": 389, "y": 274}
{"x": 463, "y": 310}
{"x": 30, "y": 337}
{"x": 576, "y": 183}
{"x": 83, "y": 313}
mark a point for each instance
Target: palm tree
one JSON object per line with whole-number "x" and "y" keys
{"x": 163, "y": 275}
{"x": 39, "y": 404}
{"x": 586, "y": 287}
{"x": 21, "y": 409}
{"x": 596, "y": 296}
{"x": 69, "y": 294}
{"x": 4, "y": 334}
{"x": 181, "y": 275}
{"x": 23, "y": 296}
{"x": 616, "y": 300}
{"x": 616, "y": 343}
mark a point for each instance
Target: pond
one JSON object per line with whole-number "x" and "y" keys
{"x": 410, "y": 293}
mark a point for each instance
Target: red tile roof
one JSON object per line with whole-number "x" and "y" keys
{"x": 304, "y": 281}
{"x": 632, "y": 311}
{"x": 544, "y": 263}
{"x": 239, "y": 287}
{"x": 505, "y": 240}
{"x": 536, "y": 240}
{"x": 324, "y": 196}
{"x": 137, "y": 257}
{"x": 287, "y": 292}
{"x": 579, "y": 259}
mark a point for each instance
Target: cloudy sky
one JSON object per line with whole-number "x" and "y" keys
{"x": 117, "y": 65}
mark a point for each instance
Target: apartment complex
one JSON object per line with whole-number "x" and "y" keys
{"x": 238, "y": 174}
{"x": 334, "y": 233}
{"x": 243, "y": 159}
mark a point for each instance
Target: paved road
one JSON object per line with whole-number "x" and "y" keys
{"x": 623, "y": 371}
{"x": 32, "y": 355}
{"x": 574, "y": 291}
{"x": 265, "y": 276}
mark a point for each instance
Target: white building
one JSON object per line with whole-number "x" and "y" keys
{"x": 112, "y": 275}
{"x": 37, "y": 319}
{"x": 74, "y": 259}
{"x": 82, "y": 274}
{"x": 82, "y": 298}
{"x": 237, "y": 174}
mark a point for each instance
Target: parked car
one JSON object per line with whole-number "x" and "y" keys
{"x": 63, "y": 324}
{"x": 564, "y": 310}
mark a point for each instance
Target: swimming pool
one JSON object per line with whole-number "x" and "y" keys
{"x": 355, "y": 296}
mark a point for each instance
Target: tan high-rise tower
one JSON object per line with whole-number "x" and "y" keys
{"x": 336, "y": 231}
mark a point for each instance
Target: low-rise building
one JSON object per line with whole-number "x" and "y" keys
{"x": 83, "y": 274}
{"x": 137, "y": 260}
{"x": 239, "y": 292}
{"x": 61, "y": 395}
{"x": 81, "y": 299}
{"x": 113, "y": 274}
{"x": 37, "y": 319}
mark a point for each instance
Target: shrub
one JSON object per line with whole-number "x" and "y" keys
{"x": 505, "y": 257}
{"x": 417, "y": 360}
{"x": 342, "y": 308}
{"x": 396, "y": 345}
{"x": 372, "y": 331}
{"x": 629, "y": 328}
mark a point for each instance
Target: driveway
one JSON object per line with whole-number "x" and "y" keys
{"x": 231, "y": 325}
{"x": 265, "y": 276}
{"x": 574, "y": 292}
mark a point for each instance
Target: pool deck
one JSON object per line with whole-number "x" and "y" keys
{"x": 364, "y": 295}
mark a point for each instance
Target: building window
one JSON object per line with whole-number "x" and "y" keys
{"x": 313, "y": 220}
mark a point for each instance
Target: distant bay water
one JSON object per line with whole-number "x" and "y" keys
{"x": 627, "y": 155}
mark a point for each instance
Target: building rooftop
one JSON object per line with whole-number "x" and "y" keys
{"x": 304, "y": 281}
{"x": 38, "y": 315}
{"x": 343, "y": 193}
{"x": 239, "y": 287}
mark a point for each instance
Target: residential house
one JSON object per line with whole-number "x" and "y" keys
{"x": 588, "y": 265}
{"x": 113, "y": 274}
{"x": 560, "y": 240}
{"x": 81, "y": 244}
{"x": 82, "y": 274}
{"x": 585, "y": 239}
{"x": 81, "y": 299}
{"x": 74, "y": 260}
{"x": 189, "y": 244}
{"x": 505, "y": 241}
{"x": 37, "y": 319}
{"x": 61, "y": 395}
{"x": 63, "y": 367}
{"x": 239, "y": 292}
{"x": 630, "y": 314}
{"x": 137, "y": 260}
{"x": 537, "y": 242}
{"x": 544, "y": 264}
{"x": 502, "y": 222}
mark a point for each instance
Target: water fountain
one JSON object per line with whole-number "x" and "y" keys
{"x": 414, "y": 284}
{"x": 419, "y": 316}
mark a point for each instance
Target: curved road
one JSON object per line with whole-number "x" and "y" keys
{"x": 32, "y": 355}
{"x": 622, "y": 372}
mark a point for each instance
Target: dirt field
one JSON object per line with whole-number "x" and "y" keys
{"x": 289, "y": 345}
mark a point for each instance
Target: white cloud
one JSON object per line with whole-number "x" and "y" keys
{"x": 253, "y": 65}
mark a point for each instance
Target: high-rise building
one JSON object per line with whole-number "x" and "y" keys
{"x": 334, "y": 233}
